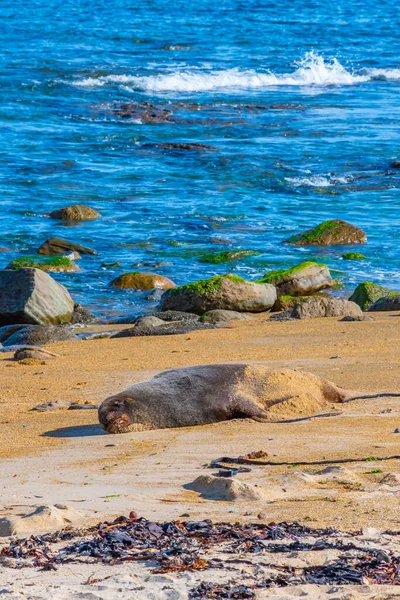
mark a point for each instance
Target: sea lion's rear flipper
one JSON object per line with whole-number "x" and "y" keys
{"x": 243, "y": 408}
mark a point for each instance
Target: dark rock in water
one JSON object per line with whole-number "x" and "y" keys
{"x": 395, "y": 164}
{"x": 147, "y": 113}
{"x": 313, "y": 307}
{"x": 224, "y": 316}
{"x": 54, "y": 246}
{"x": 32, "y": 296}
{"x": 75, "y": 212}
{"x": 142, "y": 281}
{"x": 177, "y": 315}
{"x": 82, "y": 315}
{"x": 180, "y": 146}
{"x": 368, "y": 293}
{"x": 166, "y": 329}
{"x": 303, "y": 279}
{"x": 228, "y": 292}
{"x": 387, "y": 303}
{"x": 329, "y": 233}
{"x": 8, "y": 330}
{"x": 39, "y": 335}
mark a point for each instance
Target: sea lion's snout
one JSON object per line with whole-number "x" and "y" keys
{"x": 113, "y": 416}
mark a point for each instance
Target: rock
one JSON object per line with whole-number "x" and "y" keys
{"x": 54, "y": 246}
{"x": 387, "y": 303}
{"x": 224, "y": 316}
{"x": 329, "y": 233}
{"x": 50, "y": 406}
{"x": 36, "y": 353}
{"x": 145, "y": 322}
{"x": 177, "y": 146}
{"x": 228, "y": 292}
{"x": 220, "y": 488}
{"x": 32, "y": 296}
{"x": 353, "y": 256}
{"x": 174, "y": 328}
{"x": 145, "y": 112}
{"x": 367, "y": 293}
{"x": 311, "y": 308}
{"x": 8, "y": 330}
{"x": 217, "y": 258}
{"x": 60, "y": 264}
{"x": 142, "y": 281}
{"x": 284, "y": 303}
{"x": 42, "y": 520}
{"x": 75, "y": 212}
{"x": 348, "y": 318}
{"x": 38, "y": 335}
{"x": 395, "y": 164}
{"x": 303, "y": 279}
{"x": 82, "y": 315}
{"x": 177, "y": 315}
{"x": 397, "y": 430}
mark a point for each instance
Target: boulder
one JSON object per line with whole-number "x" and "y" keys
{"x": 176, "y": 315}
{"x": 82, "y": 315}
{"x": 43, "y": 519}
{"x": 311, "y": 308}
{"x": 31, "y": 296}
{"x": 329, "y": 233}
{"x": 367, "y": 293}
{"x": 142, "y": 281}
{"x": 59, "y": 264}
{"x": 8, "y": 330}
{"x": 386, "y": 303}
{"x": 39, "y": 335}
{"x": 54, "y": 246}
{"x": 228, "y": 292}
{"x": 224, "y": 316}
{"x": 303, "y": 279}
{"x": 231, "y": 490}
{"x": 148, "y": 321}
{"x": 75, "y": 212}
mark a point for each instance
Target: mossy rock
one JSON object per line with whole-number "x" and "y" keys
{"x": 285, "y": 303}
{"x": 142, "y": 281}
{"x": 227, "y": 292}
{"x": 334, "y": 232}
{"x": 353, "y": 256}
{"x": 216, "y": 258}
{"x": 368, "y": 293}
{"x": 49, "y": 264}
{"x": 303, "y": 279}
{"x": 75, "y": 212}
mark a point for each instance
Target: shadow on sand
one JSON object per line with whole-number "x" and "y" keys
{"x": 75, "y": 431}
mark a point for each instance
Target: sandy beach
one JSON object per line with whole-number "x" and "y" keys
{"x": 64, "y": 457}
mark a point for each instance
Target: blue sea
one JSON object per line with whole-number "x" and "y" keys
{"x": 297, "y": 102}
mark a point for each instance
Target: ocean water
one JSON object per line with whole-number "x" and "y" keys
{"x": 299, "y": 102}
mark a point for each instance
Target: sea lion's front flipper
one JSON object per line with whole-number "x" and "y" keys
{"x": 243, "y": 408}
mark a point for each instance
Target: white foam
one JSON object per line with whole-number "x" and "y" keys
{"x": 320, "y": 181}
{"x": 312, "y": 70}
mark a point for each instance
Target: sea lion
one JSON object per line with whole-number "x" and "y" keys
{"x": 218, "y": 392}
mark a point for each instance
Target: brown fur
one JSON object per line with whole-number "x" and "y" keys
{"x": 217, "y": 392}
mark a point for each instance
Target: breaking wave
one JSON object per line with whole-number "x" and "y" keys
{"x": 312, "y": 70}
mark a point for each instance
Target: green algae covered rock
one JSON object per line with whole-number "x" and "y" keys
{"x": 353, "y": 256}
{"x": 49, "y": 264}
{"x": 302, "y": 279}
{"x": 142, "y": 281}
{"x": 368, "y": 293}
{"x": 75, "y": 212}
{"x": 334, "y": 232}
{"x": 228, "y": 292}
{"x": 228, "y": 256}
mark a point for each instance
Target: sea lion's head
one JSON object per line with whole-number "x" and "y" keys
{"x": 114, "y": 414}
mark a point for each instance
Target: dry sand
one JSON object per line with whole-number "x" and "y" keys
{"x": 63, "y": 456}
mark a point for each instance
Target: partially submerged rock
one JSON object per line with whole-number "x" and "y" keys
{"x": 145, "y": 112}
{"x": 75, "y": 212}
{"x": 311, "y": 308}
{"x": 228, "y": 292}
{"x": 329, "y": 233}
{"x": 39, "y": 335}
{"x": 367, "y": 293}
{"x": 217, "y": 258}
{"x": 142, "y": 281}
{"x": 32, "y": 296}
{"x": 41, "y": 520}
{"x": 49, "y": 264}
{"x": 303, "y": 279}
{"x": 180, "y": 146}
{"x": 224, "y": 316}
{"x": 220, "y": 488}
{"x": 54, "y": 246}
{"x": 353, "y": 256}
